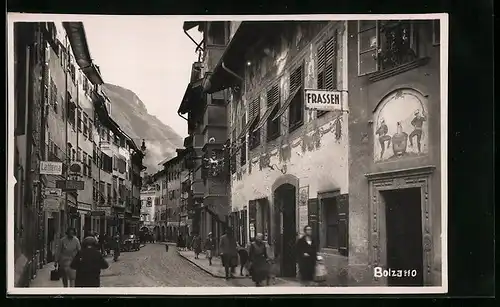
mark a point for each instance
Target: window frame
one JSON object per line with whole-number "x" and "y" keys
{"x": 379, "y": 49}
{"x": 376, "y": 48}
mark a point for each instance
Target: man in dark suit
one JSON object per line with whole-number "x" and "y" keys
{"x": 228, "y": 251}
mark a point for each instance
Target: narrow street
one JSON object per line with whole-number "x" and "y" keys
{"x": 151, "y": 266}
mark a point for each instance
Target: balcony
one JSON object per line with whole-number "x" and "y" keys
{"x": 215, "y": 116}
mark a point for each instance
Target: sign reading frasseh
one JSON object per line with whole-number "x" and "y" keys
{"x": 324, "y": 100}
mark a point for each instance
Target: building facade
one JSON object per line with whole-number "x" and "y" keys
{"x": 283, "y": 156}
{"x": 148, "y": 206}
{"x": 208, "y": 199}
{"x": 177, "y": 178}
{"x": 114, "y": 208}
{"x": 58, "y": 166}
{"x": 30, "y": 97}
{"x": 395, "y": 150}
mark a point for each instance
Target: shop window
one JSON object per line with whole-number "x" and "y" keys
{"x": 296, "y": 108}
{"x": 273, "y": 105}
{"x": 385, "y": 44}
{"x": 326, "y": 66}
{"x": 254, "y": 136}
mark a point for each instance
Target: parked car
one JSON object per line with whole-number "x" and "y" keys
{"x": 131, "y": 243}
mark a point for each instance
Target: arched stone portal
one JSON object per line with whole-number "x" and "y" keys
{"x": 285, "y": 190}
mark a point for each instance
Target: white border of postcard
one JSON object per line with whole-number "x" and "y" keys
{"x": 14, "y": 17}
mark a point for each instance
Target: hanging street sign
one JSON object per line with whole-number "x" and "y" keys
{"x": 51, "y": 168}
{"x": 70, "y": 185}
{"x": 324, "y": 100}
{"x": 53, "y": 192}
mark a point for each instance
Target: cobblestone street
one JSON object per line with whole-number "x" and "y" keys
{"x": 151, "y": 266}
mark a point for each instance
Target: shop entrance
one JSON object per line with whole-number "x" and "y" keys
{"x": 404, "y": 236}
{"x": 285, "y": 220}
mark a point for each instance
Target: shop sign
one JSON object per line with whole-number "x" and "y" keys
{"x": 51, "y": 168}
{"x": 53, "y": 192}
{"x": 70, "y": 185}
{"x": 51, "y": 204}
{"x": 84, "y": 207}
{"x": 323, "y": 100}
{"x": 98, "y": 213}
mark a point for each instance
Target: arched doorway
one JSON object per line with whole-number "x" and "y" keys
{"x": 286, "y": 229}
{"x": 163, "y": 233}
{"x": 156, "y": 232}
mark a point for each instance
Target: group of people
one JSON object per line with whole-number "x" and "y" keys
{"x": 80, "y": 264}
{"x": 254, "y": 259}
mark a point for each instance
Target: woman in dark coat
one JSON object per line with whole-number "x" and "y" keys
{"x": 180, "y": 242}
{"x": 196, "y": 243}
{"x": 243, "y": 254}
{"x": 88, "y": 264}
{"x": 258, "y": 260}
{"x": 306, "y": 256}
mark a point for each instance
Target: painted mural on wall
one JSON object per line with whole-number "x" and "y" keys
{"x": 401, "y": 126}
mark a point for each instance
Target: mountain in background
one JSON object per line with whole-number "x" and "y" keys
{"x": 133, "y": 117}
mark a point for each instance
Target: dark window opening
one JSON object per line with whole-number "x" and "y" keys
{"x": 273, "y": 126}
{"x": 296, "y": 108}
{"x": 332, "y": 223}
{"x": 327, "y": 67}
{"x": 218, "y": 33}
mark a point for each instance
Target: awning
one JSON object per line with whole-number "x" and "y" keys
{"x": 287, "y": 103}
{"x": 232, "y": 58}
{"x": 193, "y": 92}
{"x": 266, "y": 115}
{"x": 247, "y": 127}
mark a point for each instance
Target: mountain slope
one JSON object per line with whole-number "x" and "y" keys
{"x": 133, "y": 117}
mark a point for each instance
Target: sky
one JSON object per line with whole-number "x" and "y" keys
{"x": 149, "y": 55}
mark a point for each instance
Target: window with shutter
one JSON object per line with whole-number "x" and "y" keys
{"x": 296, "y": 108}
{"x": 243, "y": 143}
{"x": 327, "y": 66}
{"x": 273, "y": 105}
{"x": 79, "y": 119}
{"x": 255, "y": 116}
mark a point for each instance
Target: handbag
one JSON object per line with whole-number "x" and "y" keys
{"x": 55, "y": 274}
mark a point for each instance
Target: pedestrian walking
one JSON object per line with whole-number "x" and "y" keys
{"x": 209, "y": 247}
{"x": 88, "y": 264}
{"x": 258, "y": 260}
{"x": 243, "y": 255}
{"x": 181, "y": 244}
{"x": 306, "y": 256}
{"x": 196, "y": 245}
{"x": 67, "y": 249}
{"x": 116, "y": 247}
{"x": 228, "y": 252}
{"x": 189, "y": 240}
